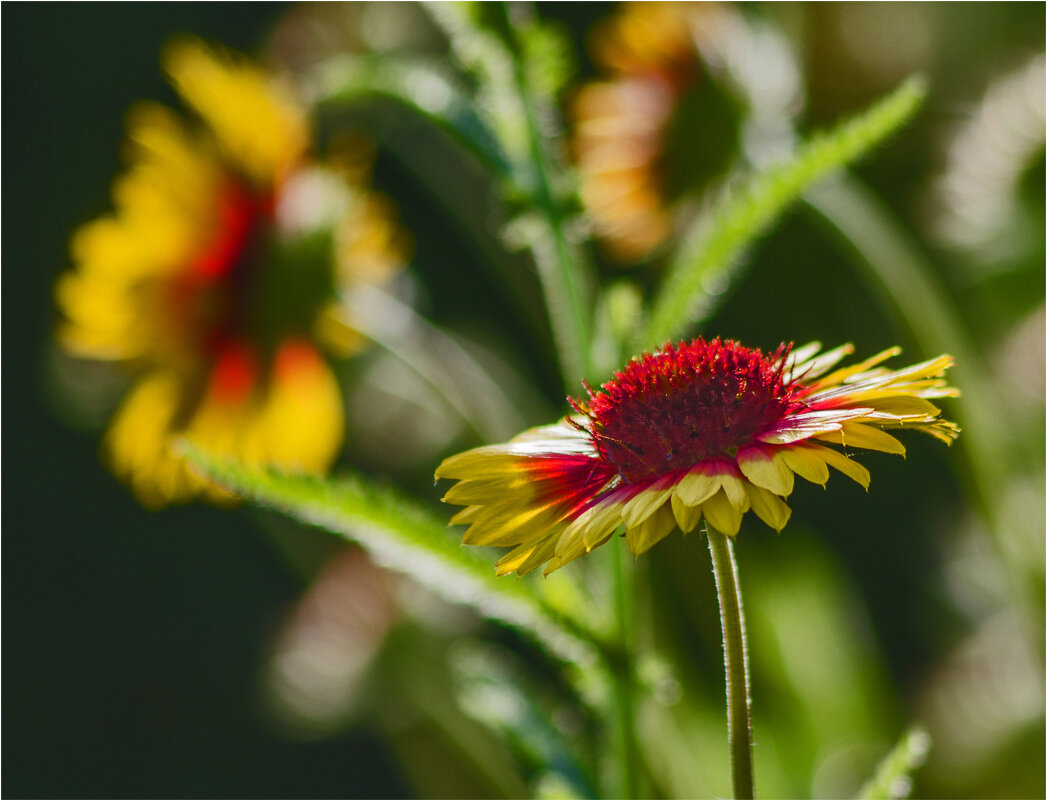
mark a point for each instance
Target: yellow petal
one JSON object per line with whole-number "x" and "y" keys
{"x": 489, "y": 490}
{"x": 839, "y": 376}
{"x": 654, "y": 528}
{"x": 765, "y": 470}
{"x": 601, "y": 524}
{"x": 545, "y": 550}
{"x": 257, "y": 124}
{"x": 644, "y": 504}
{"x": 806, "y": 463}
{"x": 687, "y": 517}
{"x": 771, "y": 509}
{"x": 902, "y": 405}
{"x": 860, "y": 435}
{"x": 487, "y": 462}
{"x": 734, "y": 488}
{"x": 848, "y": 467}
{"x": 136, "y": 444}
{"x": 512, "y": 524}
{"x": 722, "y": 514}
{"x": 468, "y": 515}
{"x": 696, "y": 486}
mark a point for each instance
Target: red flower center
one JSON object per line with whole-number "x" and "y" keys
{"x": 670, "y": 410}
{"x": 209, "y": 302}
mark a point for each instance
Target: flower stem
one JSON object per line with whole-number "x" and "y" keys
{"x": 563, "y": 274}
{"x": 623, "y": 676}
{"x": 735, "y": 662}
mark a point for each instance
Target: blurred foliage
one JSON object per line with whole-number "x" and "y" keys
{"x": 182, "y": 654}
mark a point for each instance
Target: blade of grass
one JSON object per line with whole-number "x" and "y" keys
{"x": 711, "y": 251}
{"x": 403, "y": 537}
{"x": 893, "y": 777}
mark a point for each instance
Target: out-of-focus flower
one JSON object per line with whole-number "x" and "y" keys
{"x": 705, "y": 428}
{"x": 218, "y": 274}
{"x": 651, "y": 53}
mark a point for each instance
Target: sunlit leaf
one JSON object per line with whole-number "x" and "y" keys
{"x": 401, "y": 536}
{"x": 709, "y": 256}
{"x": 893, "y": 777}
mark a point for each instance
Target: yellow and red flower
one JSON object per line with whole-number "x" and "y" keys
{"x": 217, "y": 274}
{"x": 700, "y": 429}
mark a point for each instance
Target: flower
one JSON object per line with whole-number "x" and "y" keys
{"x": 697, "y": 429}
{"x": 621, "y": 124}
{"x": 216, "y": 277}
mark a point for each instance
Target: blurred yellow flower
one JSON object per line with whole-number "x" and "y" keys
{"x": 620, "y": 123}
{"x": 217, "y": 275}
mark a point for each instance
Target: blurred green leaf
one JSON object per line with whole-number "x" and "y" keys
{"x": 893, "y": 777}
{"x": 899, "y": 273}
{"x": 423, "y": 86}
{"x": 401, "y": 536}
{"x": 709, "y": 256}
{"x": 495, "y": 688}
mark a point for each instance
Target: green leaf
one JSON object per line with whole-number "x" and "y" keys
{"x": 893, "y": 777}
{"x": 401, "y": 536}
{"x": 711, "y": 250}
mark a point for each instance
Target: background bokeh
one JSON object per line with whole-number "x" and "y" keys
{"x": 137, "y": 642}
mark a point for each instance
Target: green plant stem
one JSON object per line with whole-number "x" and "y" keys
{"x": 623, "y": 674}
{"x": 562, "y": 280}
{"x": 735, "y": 662}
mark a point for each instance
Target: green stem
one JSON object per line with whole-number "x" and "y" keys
{"x": 623, "y": 674}
{"x": 736, "y": 663}
{"x": 560, "y": 272}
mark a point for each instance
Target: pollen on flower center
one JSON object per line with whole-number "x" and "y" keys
{"x": 669, "y": 410}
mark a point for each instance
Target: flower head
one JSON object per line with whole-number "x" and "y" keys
{"x": 700, "y": 429}
{"x": 216, "y": 277}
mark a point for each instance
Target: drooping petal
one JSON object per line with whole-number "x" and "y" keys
{"x": 722, "y": 514}
{"x": 771, "y": 509}
{"x": 806, "y": 463}
{"x": 653, "y": 529}
{"x": 847, "y": 466}
{"x": 687, "y": 517}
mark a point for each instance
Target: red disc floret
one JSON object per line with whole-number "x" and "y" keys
{"x": 669, "y": 410}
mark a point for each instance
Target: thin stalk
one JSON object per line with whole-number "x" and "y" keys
{"x": 563, "y": 284}
{"x": 623, "y": 674}
{"x": 735, "y": 662}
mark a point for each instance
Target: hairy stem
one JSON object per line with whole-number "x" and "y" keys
{"x": 735, "y": 662}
